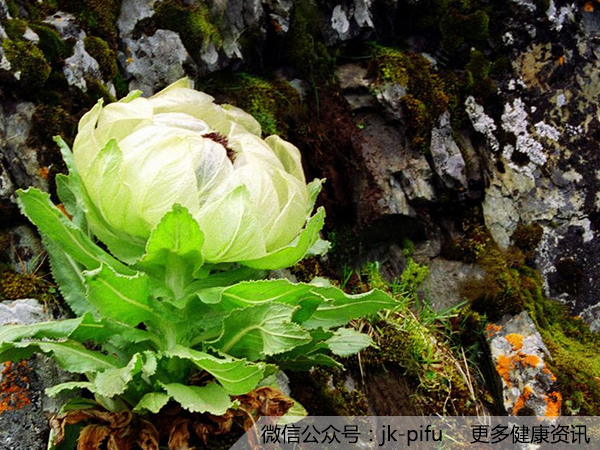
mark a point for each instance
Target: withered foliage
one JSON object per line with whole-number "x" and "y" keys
{"x": 180, "y": 429}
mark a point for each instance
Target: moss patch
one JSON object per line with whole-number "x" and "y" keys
{"x": 271, "y": 102}
{"x": 192, "y": 21}
{"x": 512, "y": 285}
{"x": 28, "y": 61}
{"x": 427, "y": 94}
{"x": 101, "y": 52}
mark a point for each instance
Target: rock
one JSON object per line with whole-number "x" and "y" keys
{"x": 154, "y": 61}
{"x": 519, "y": 356}
{"x": 133, "y": 11}
{"x": 416, "y": 179}
{"x": 442, "y": 288}
{"x": 390, "y": 97}
{"x": 353, "y": 76}
{"x": 448, "y": 161}
{"x": 80, "y": 67}
{"x": 22, "y": 250}
{"x": 20, "y": 160}
{"x": 23, "y": 408}
{"x": 22, "y": 312}
{"x": 380, "y": 193}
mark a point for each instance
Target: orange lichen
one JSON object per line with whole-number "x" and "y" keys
{"x": 492, "y": 329}
{"x": 522, "y": 400}
{"x": 44, "y": 172}
{"x": 516, "y": 340}
{"x": 553, "y": 404}
{"x": 530, "y": 360}
{"x": 14, "y": 387}
{"x": 504, "y": 367}
{"x": 589, "y": 7}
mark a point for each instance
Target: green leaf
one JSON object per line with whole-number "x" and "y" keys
{"x": 71, "y": 356}
{"x": 346, "y": 342}
{"x": 236, "y": 376}
{"x": 152, "y": 403}
{"x": 49, "y": 330}
{"x": 291, "y": 254}
{"x": 211, "y": 398}
{"x": 68, "y": 276}
{"x": 53, "y": 224}
{"x": 113, "y": 382}
{"x": 67, "y": 196}
{"x": 173, "y": 252}
{"x": 68, "y": 386}
{"x": 124, "y": 246}
{"x": 119, "y": 297}
{"x": 340, "y": 307}
{"x": 259, "y": 331}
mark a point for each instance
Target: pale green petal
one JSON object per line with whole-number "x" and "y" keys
{"x": 230, "y": 226}
{"x": 288, "y": 154}
{"x": 159, "y": 166}
{"x": 111, "y": 197}
{"x": 250, "y": 148}
{"x": 292, "y": 216}
{"x": 86, "y": 146}
{"x": 257, "y": 178}
{"x": 241, "y": 117}
{"x": 212, "y": 169}
{"x": 120, "y": 119}
{"x": 181, "y": 120}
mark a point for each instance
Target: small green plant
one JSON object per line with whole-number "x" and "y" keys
{"x": 178, "y": 311}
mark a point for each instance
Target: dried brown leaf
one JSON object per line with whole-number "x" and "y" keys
{"x": 91, "y": 437}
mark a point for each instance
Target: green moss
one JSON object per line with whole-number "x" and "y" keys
{"x": 38, "y": 10}
{"x": 526, "y": 238}
{"x": 15, "y": 28}
{"x": 96, "y": 90}
{"x": 193, "y": 22}
{"x": 457, "y": 29}
{"x": 101, "y": 52}
{"x": 28, "y": 60}
{"x": 427, "y": 97}
{"x": 304, "y": 49}
{"x": 271, "y": 102}
{"x": 14, "y": 286}
{"x": 575, "y": 354}
{"x": 98, "y": 17}
{"x": 511, "y": 285}
{"x": 54, "y": 48}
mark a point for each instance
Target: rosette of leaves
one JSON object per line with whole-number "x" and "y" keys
{"x": 170, "y": 328}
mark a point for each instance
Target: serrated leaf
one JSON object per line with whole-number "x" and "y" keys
{"x": 152, "y": 402}
{"x": 71, "y": 356}
{"x": 294, "y": 252}
{"x": 68, "y": 276}
{"x": 52, "y": 223}
{"x": 68, "y": 386}
{"x": 339, "y": 307}
{"x": 119, "y": 297}
{"x": 259, "y": 331}
{"x": 236, "y": 376}
{"x": 113, "y": 382}
{"x": 346, "y": 342}
{"x": 174, "y": 251}
{"x": 49, "y": 330}
{"x": 211, "y": 398}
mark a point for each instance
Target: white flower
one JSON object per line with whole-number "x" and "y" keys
{"x": 139, "y": 157}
